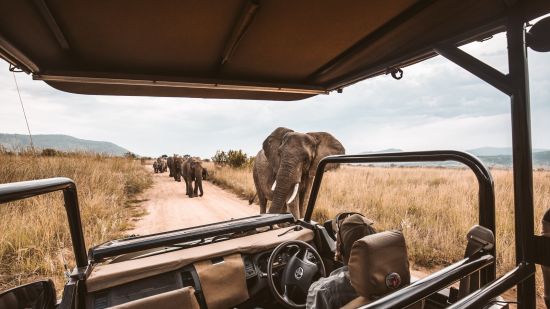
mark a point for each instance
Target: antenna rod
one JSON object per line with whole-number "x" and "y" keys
{"x": 24, "y": 114}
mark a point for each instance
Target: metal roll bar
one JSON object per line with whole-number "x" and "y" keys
{"x": 484, "y": 178}
{"x": 433, "y": 283}
{"x": 24, "y": 189}
{"x": 479, "y": 298}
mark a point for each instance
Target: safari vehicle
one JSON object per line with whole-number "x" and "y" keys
{"x": 272, "y": 50}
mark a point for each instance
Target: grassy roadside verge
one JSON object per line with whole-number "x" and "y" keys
{"x": 434, "y": 207}
{"x": 34, "y": 232}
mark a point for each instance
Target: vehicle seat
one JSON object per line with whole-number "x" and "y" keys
{"x": 479, "y": 238}
{"x": 379, "y": 265}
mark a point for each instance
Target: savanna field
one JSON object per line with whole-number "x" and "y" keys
{"x": 435, "y": 207}
{"x": 34, "y": 234}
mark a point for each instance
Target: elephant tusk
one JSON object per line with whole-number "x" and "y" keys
{"x": 293, "y": 193}
{"x": 274, "y": 185}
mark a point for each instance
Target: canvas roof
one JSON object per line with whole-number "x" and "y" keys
{"x": 264, "y": 49}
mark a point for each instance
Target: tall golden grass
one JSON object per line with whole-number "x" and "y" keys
{"x": 34, "y": 235}
{"x": 435, "y": 207}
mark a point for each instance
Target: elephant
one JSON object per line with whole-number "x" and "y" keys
{"x": 171, "y": 167}
{"x": 159, "y": 166}
{"x": 193, "y": 172}
{"x": 284, "y": 169}
{"x": 156, "y": 167}
{"x": 177, "y": 171}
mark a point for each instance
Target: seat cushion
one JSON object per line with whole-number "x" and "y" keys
{"x": 379, "y": 264}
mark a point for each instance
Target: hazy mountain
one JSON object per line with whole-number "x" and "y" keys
{"x": 497, "y": 151}
{"x": 60, "y": 142}
{"x": 490, "y": 156}
{"x": 382, "y": 151}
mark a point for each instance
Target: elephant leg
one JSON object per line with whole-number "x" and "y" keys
{"x": 201, "y": 191}
{"x": 186, "y": 186}
{"x": 263, "y": 203}
{"x": 190, "y": 193}
{"x": 196, "y": 189}
{"x": 186, "y": 190}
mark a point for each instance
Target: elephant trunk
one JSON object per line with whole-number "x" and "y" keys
{"x": 285, "y": 182}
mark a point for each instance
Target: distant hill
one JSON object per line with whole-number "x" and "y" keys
{"x": 382, "y": 151}
{"x": 498, "y": 151}
{"x": 490, "y": 156}
{"x": 60, "y": 142}
{"x": 540, "y": 159}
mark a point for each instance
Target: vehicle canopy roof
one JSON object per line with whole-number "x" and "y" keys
{"x": 264, "y": 49}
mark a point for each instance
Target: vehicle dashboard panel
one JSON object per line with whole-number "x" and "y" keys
{"x": 130, "y": 282}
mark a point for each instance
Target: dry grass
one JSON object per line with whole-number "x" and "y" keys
{"x": 434, "y": 207}
{"x": 34, "y": 232}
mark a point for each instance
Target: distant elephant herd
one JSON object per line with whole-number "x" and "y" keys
{"x": 283, "y": 170}
{"x": 190, "y": 168}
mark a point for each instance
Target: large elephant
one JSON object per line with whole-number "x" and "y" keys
{"x": 285, "y": 167}
{"x": 192, "y": 172}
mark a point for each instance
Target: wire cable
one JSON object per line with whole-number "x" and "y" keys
{"x": 24, "y": 113}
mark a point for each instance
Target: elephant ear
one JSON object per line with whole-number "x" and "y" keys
{"x": 271, "y": 145}
{"x": 327, "y": 145}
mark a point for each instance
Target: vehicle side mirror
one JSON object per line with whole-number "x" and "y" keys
{"x": 537, "y": 38}
{"x": 36, "y": 295}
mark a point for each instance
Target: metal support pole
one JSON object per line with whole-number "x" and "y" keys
{"x": 523, "y": 166}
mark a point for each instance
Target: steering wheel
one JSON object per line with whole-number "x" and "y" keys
{"x": 298, "y": 273}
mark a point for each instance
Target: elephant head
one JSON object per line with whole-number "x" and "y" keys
{"x": 294, "y": 158}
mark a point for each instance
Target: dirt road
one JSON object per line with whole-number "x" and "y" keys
{"x": 168, "y": 207}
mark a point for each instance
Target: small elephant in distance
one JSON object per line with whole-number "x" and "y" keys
{"x": 171, "y": 167}
{"x": 156, "y": 167}
{"x": 178, "y": 167}
{"x": 192, "y": 171}
{"x": 159, "y": 166}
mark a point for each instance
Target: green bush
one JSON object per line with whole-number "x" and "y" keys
{"x": 233, "y": 158}
{"x": 49, "y": 152}
{"x": 220, "y": 158}
{"x": 236, "y": 158}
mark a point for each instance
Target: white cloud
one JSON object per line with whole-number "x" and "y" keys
{"x": 436, "y": 105}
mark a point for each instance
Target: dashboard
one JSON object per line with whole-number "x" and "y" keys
{"x": 255, "y": 274}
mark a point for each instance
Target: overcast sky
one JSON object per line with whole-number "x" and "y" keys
{"x": 437, "y": 105}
